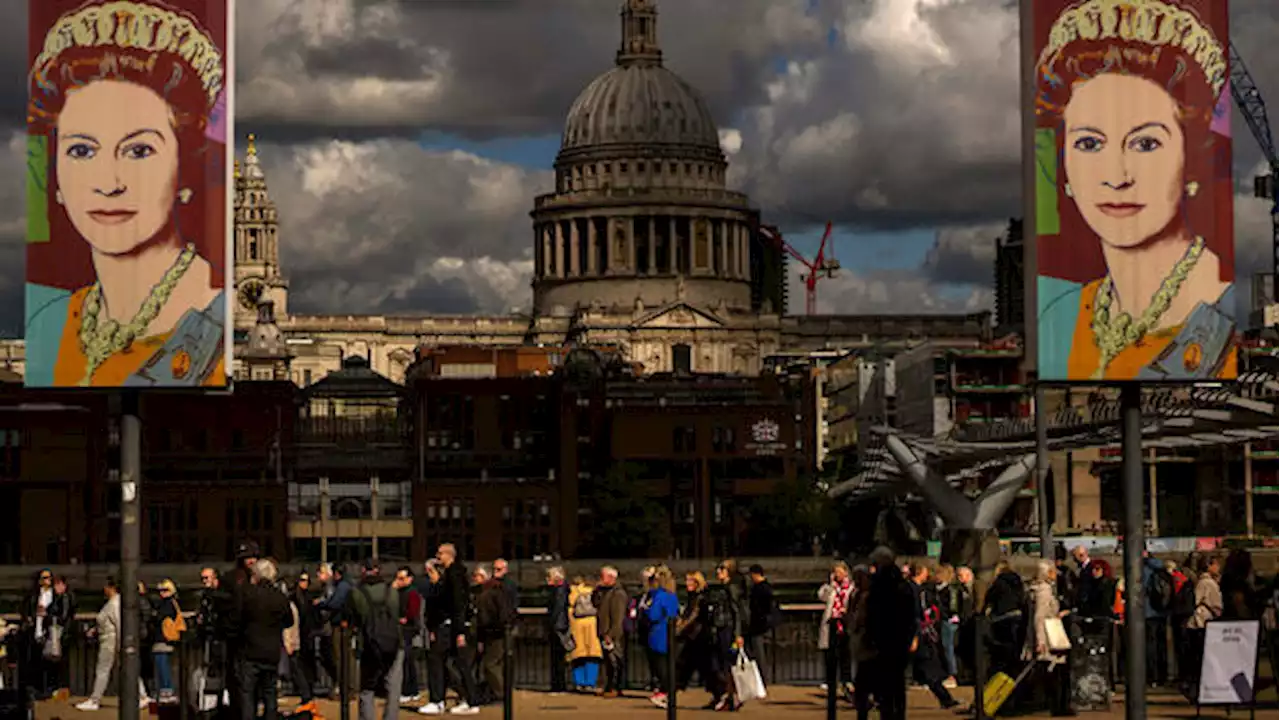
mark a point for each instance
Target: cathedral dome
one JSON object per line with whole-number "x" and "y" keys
{"x": 640, "y": 102}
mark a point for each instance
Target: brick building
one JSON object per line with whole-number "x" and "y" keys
{"x": 211, "y": 469}
{"x": 501, "y": 451}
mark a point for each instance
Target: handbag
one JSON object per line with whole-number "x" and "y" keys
{"x": 53, "y": 643}
{"x": 566, "y": 640}
{"x": 1055, "y": 635}
{"x": 748, "y": 684}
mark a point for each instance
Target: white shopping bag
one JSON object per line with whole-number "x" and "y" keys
{"x": 747, "y": 681}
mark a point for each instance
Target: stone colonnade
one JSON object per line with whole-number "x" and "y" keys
{"x": 601, "y": 246}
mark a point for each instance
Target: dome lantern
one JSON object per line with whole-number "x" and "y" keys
{"x": 639, "y": 34}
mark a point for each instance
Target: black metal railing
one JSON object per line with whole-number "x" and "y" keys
{"x": 791, "y": 655}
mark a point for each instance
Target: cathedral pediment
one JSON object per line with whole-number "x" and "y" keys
{"x": 679, "y": 315}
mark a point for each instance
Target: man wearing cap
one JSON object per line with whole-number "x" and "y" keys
{"x": 231, "y": 590}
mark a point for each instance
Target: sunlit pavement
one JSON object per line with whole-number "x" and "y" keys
{"x": 795, "y": 702}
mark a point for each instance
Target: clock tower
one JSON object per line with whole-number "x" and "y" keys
{"x": 258, "y": 277}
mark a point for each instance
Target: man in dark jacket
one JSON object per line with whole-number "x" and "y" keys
{"x": 610, "y": 600}
{"x": 494, "y": 614}
{"x": 891, "y": 635}
{"x": 762, "y": 610}
{"x": 502, "y": 573}
{"x": 725, "y": 603}
{"x": 229, "y": 608}
{"x": 264, "y": 614}
{"x": 455, "y": 638}
{"x": 928, "y": 656}
{"x": 560, "y": 640}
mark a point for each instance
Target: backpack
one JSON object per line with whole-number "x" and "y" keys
{"x": 636, "y": 618}
{"x": 1160, "y": 590}
{"x": 380, "y": 627}
{"x": 583, "y": 607}
{"x": 1184, "y": 601}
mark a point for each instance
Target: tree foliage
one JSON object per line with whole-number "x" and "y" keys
{"x": 788, "y": 520}
{"x": 628, "y": 522}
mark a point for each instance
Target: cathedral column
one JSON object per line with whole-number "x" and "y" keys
{"x": 744, "y": 253}
{"x": 538, "y": 257}
{"x": 627, "y": 261}
{"x": 593, "y": 249}
{"x": 673, "y": 246}
{"x": 653, "y": 245}
{"x": 730, "y": 251}
{"x": 718, "y": 247}
{"x": 559, "y": 243}
{"x": 575, "y": 257}
{"x": 548, "y": 251}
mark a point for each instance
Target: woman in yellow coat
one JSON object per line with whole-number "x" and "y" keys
{"x": 586, "y": 653}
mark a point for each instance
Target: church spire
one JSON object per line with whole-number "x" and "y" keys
{"x": 251, "y": 167}
{"x": 639, "y": 34}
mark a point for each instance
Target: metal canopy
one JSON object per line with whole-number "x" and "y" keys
{"x": 1213, "y": 415}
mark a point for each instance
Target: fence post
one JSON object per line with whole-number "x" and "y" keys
{"x": 980, "y": 666}
{"x": 344, "y": 672}
{"x": 179, "y": 654}
{"x": 508, "y": 675}
{"x": 672, "y": 682}
{"x": 833, "y": 670}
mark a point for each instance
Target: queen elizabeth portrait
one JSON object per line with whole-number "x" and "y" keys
{"x": 1134, "y": 191}
{"x": 127, "y": 219}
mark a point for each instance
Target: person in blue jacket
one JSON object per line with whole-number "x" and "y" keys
{"x": 663, "y": 605}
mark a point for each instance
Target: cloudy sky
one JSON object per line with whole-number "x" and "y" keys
{"x": 404, "y": 140}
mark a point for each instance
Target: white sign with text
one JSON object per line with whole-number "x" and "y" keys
{"x": 1230, "y": 664}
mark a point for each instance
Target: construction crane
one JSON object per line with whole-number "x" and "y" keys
{"x": 1249, "y": 99}
{"x": 820, "y": 267}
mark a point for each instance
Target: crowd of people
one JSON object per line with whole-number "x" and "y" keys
{"x": 883, "y": 626}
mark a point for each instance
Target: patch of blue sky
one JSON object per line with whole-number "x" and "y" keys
{"x": 867, "y": 251}
{"x": 535, "y": 153}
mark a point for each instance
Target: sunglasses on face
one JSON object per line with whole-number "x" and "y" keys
{"x": 45, "y": 578}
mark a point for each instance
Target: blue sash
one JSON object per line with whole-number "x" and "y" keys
{"x": 200, "y": 335}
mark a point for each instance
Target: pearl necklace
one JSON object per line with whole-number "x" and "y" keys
{"x": 100, "y": 342}
{"x": 1113, "y": 335}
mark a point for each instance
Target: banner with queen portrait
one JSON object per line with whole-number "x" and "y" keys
{"x": 1133, "y": 191}
{"x": 128, "y": 170}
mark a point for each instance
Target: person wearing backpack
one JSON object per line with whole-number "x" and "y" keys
{"x": 1184, "y": 606}
{"x": 375, "y": 608}
{"x": 586, "y": 655}
{"x": 1158, "y": 586}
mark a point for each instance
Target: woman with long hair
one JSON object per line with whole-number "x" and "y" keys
{"x": 691, "y": 631}
{"x": 125, "y": 250}
{"x": 1134, "y": 193}
{"x": 45, "y": 616}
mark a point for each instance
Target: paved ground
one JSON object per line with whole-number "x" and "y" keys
{"x": 789, "y": 702}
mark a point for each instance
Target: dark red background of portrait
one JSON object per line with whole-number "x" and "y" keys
{"x": 1075, "y": 253}
{"x": 64, "y": 261}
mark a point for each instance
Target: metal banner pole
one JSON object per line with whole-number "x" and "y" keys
{"x": 130, "y": 553}
{"x": 1135, "y": 679}
{"x": 1043, "y": 491}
